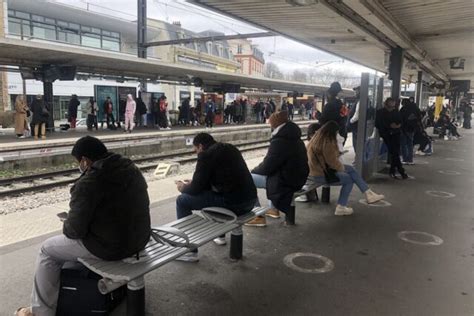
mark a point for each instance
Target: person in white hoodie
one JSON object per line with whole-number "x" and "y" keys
{"x": 130, "y": 109}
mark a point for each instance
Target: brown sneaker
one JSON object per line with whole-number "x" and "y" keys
{"x": 273, "y": 213}
{"x": 258, "y": 221}
{"x": 24, "y": 311}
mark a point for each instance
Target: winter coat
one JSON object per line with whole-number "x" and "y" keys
{"x": 72, "y": 108}
{"x": 37, "y": 108}
{"x": 130, "y": 108}
{"x": 285, "y": 165}
{"x": 108, "y": 107}
{"x": 21, "y": 121}
{"x": 222, "y": 169}
{"x": 384, "y": 119}
{"x": 185, "y": 108}
{"x": 210, "y": 107}
{"x": 411, "y": 117}
{"x": 109, "y": 209}
{"x": 329, "y": 155}
{"x": 92, "y": 108}
{"x": 163, "y": 106}
{"x": 334, "y": 111}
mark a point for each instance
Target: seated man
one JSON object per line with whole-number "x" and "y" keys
{"x": 284, "y": 169}
{"x": 221, "y": 179}
{"x": 109, "y": 218}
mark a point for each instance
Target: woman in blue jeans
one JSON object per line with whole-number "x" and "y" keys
{"x": 323, "y": 155}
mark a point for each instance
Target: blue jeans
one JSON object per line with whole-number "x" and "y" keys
{"x": 347, "y": 178}
{"x": 260, "y": 183}
{"x": 407, "y": 146}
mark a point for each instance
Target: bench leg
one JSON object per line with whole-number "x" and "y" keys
{"x": 290, "y": 216}
{"x": 136, "y": 297}
{"x": 236, "y": 243}
{"x": 326, "y": 193}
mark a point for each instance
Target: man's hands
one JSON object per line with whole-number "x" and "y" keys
{"x": 181, "y": 184}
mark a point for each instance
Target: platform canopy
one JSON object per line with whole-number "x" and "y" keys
{"x": 14, "y": 52}
{"x": 436, "y": 35}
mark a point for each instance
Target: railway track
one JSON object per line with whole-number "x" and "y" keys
{"x": 44, "y": 181}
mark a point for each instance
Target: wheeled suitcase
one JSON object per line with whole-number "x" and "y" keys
{"x": 79, "y": 295}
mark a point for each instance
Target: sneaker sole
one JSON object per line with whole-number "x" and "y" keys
{"x": 375, "y": 201}
{"x": 272, "y": 216}
{"x": 255, "y": 225}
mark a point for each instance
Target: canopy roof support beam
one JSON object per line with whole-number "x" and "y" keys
{"x": 209, "y": 39}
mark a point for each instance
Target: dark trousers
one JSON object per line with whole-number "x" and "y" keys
{"x": 209, "y": 119}
{"x": 163, "y": 120}
{"x": 467, "y": 123}
{"x": 91, "y": 122}
{"x": 393, "y": 146}
{"x": 110, "y": 117}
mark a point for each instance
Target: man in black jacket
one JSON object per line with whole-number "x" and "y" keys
{"x": 411, "y": 120}
{"x": 221, "y": 179}
{"x": 109, "y": 218}
{"x": 284, "y": 169}
{"x": 334, "y": 109}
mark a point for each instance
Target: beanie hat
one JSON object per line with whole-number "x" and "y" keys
{"x": 334, "y": 88}
{"x": 278, "y": 118}
{"x": 89, "y": 147}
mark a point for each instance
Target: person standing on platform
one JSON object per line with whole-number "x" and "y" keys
{"x": 284, "y": 169}
{"x": 258, "y": 108}
{"x": 210, "y": 110}
{"x": 291, "y": 111}
{"x": 467, "y": 115}
{"x": 353, "y": 116}
{"x": 230, "y": 185}
{"x": 21, "y": 113}
{"x": 334, "y": 110}
{"x": 130, "y": 109}
{"x": 389, "y": 122}
{"x": 141, "y": 112}
{"x": 91, "y": 109}
{"x": 237, "y": 112}
{"x": 163, "y": 119}
{"x": 243, "y": 103}
{"x": 411, "y": 119}
{"x": 72, "y": 110}
{"x": 109, "y": 113}
{"x": 109, "y": 218}
{"x": 40, "y": 116}
{"x": 155, "y": 112}
{"x": 185, "y": 111}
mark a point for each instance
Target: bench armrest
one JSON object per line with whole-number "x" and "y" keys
{"x": 219, "y": 215}
{"x": 182, "y": 240}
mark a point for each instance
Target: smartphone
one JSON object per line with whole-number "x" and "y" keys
{"x": 62, "y": 216}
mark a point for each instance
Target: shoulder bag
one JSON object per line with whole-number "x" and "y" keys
{"x": 329, "y": 173}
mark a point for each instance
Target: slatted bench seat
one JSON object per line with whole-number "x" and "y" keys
{"x": 174, "y": 240}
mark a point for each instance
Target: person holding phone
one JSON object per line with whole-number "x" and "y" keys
{"x": 221, "y": 179}
{"x": 109, "y": 218}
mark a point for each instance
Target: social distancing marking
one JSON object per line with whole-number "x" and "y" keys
{"x": 409, "y": 236}
{"x": 441, "y": 194}
{"x": 381, "y": 203}
{"x": 289, "y": 262}
{"x": 450, "y": 172}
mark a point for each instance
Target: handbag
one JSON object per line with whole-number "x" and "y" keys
{"x": 329, "y": 173}
{"x": 44, "y": 111}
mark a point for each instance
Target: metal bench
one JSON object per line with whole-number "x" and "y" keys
{"x": 170, "y": 242}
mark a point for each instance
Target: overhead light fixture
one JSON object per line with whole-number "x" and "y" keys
{"x": 301, "y": 3}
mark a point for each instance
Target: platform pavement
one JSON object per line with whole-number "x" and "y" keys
{"x": 374, "y": 273}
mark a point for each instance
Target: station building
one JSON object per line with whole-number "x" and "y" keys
{"x": 62, "y": 24}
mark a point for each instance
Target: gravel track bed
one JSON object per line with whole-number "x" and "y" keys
{"x": 34, "y": 200}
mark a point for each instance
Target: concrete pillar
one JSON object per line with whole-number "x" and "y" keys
{"x": 4, "y": 98}
{"x": 419, "y": 88}
{"x": 395, "y": 71}
{"x": 49, "y": 101}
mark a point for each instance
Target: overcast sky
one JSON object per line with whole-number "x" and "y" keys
{"x": 287, "y": 54}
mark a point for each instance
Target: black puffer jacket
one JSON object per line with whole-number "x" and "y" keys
{"x": 222, "y": 168}
{"x": 285, "y": 165}
{"x": 109, "y": 209}
{"x": 332, "y": 112}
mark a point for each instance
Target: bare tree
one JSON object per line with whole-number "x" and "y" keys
{"x": 272, "y": 71}
{"x": 300, "y": 75}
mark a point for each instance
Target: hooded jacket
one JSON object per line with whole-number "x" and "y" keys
{"x": 222, "y": 169}
{"x": 109, "y": 209}
{"x": 285, "y": 165}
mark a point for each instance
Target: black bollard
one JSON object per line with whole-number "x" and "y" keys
{"x": 236, "y": 244}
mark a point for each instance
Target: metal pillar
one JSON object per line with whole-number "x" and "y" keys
{"x": 419, "y": 88}
{"x": 141, "y": 37}
{"x": 395, "y": 70}
{"x": 136, "y": 297}
{"x": 49, "y": 101}
{"x": 362, "y": 122}
{"x": 326, "y": 194}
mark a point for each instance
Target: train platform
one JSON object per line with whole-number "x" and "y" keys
{"x": 413, "y": 255}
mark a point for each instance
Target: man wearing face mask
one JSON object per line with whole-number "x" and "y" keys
{"x": 109, "y": 218}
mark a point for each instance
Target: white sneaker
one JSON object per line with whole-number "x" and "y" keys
{"x": 372, "y": 197}
{"x": 343, "y": 210}
{"x": 420, "y": 153}
{"x": 446, "y": 138}
{"x": 189, "y": 257}
{"x": 168, "y": 128}
{"x": 220, "y": 241}
{"x": 302, "y": 198}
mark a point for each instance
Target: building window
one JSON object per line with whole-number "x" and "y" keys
{"x": 44, "y": 31}
{"x": 239, "y": 49}
{"x": 209, "y": 48}
{"x": 110, "y": 43}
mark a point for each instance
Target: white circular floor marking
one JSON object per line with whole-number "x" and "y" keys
{"x": 289, "y": 262}
{"x": 381, "y": 203}
{"x": 450, "y": 172}
{"x": 441, "y": 194}
{"x": 454, "y": 159}
{"x": 405, "y": 236}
